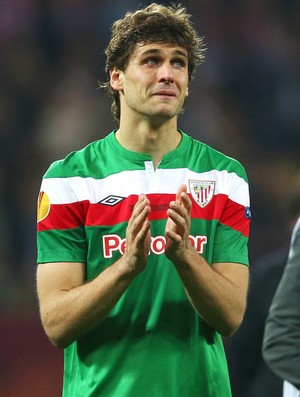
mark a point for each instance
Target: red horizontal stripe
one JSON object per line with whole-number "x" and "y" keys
{"x": 234, "y": 217}
{"x": 227, "y": 211}
{"x": 66, "y": 216}
{"x": 101, "y": 214}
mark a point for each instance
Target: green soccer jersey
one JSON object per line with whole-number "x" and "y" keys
{"x": 153, "y": 343}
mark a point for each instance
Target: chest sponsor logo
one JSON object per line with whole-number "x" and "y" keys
{"x": 114, "y": 243}
{"x": 202, "y": 191}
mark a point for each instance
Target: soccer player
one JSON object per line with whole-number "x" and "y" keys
{"x": 142, "y": 235}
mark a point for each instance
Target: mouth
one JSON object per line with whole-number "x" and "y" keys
{"x": 165, "y": 93}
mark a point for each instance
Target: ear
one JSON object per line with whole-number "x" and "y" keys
{"x": 115, "y": 79}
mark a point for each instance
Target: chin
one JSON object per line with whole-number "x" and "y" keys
{"x": 166, "y": 113}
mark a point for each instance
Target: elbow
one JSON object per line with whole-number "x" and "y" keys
{"x": 226, "y": 323}
{"x": 57, "y": 336}
{"x": 235, "y": 320}
{"x": 228, "y": 330}
{"x": 229, "y": 327}
{"x": 227, "y": 333}
{"x": 59, "y": 342}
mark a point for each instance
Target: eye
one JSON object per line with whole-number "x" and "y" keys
{"x": 151, "y": 61}
{"x": 179, "y": 63}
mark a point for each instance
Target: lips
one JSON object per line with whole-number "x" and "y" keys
{"x": 166, "y": 93}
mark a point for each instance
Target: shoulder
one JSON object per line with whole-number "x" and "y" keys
{"x": 212, "y": 158}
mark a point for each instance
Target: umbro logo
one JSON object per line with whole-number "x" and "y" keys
{"x": 111, "y": 200}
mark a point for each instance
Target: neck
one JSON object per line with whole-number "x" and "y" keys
{"x": 153, "y": 140}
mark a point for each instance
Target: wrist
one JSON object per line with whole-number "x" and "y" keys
{"x": 185, "y": 257}
{"x": 129, "y": 268}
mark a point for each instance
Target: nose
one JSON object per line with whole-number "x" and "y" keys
{"x": 166, "y": 73}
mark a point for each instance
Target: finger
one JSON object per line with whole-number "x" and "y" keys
{"x": 178, "y": 217}
{"x": 139, "y": 207}
{"x": 139, "y": 219}
{"x": 176, "y": 238}
{"x": 141, "y": 202}
{"x": 141, "y": 235}
{"x": 181, "y": 189}
{"x": 181, "y": 209}
{"x": 186, "y": 201}
{"x": 183, "y": 198}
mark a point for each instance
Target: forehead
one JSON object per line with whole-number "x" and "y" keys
{"x": 167, "y": 49}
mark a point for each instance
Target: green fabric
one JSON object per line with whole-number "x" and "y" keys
{"x": 152, "y": 343}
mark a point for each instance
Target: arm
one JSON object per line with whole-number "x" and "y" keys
{"x": 281, "y": 343}
{"x": 69, "y": 307}
{"x": 217, "y": 292}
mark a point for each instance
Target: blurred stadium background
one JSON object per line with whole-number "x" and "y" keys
{"x": 244, "y": 101}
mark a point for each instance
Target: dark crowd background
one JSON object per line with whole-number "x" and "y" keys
{"x": 244, "y": 101}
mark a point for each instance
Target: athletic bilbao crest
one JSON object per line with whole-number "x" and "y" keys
{"x": 202, "y": 191}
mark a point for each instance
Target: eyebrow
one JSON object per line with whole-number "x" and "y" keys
{"x": 157, "y": 51}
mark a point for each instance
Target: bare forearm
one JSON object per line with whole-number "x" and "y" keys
{"x": 71, "y": 313}
{"x": 218, "y": 300}
{"x": 217, "y": 292}
{"x": 69, "y": 307}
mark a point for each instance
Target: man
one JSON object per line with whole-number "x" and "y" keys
{"x": 142, "y": 236}
{"x": 281, "y": 343}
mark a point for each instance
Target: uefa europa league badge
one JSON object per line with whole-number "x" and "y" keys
{"x": 202, "y": 191}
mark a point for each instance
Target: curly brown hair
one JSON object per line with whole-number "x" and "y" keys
{"x": 152, "y": 24}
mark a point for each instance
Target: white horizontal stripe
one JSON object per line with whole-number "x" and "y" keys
{"x": 69, "y": 190}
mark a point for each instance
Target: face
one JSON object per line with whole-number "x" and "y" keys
{"x": 154, "y": 83}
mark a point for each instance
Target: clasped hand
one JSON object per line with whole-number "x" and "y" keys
{"x": 138, "y": 237}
